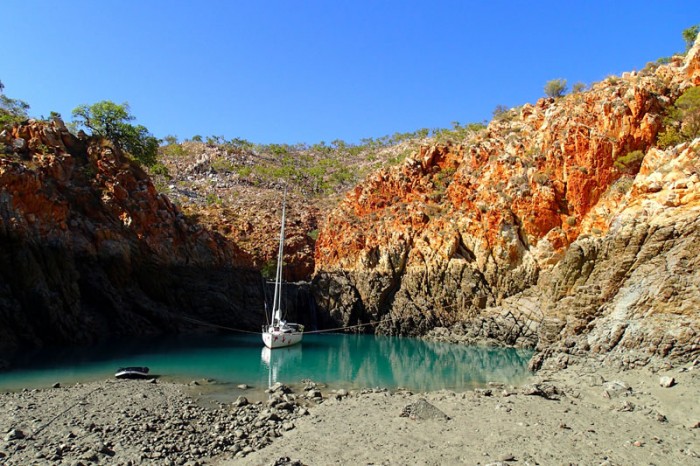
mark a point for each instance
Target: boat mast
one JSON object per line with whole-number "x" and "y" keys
{"x": 277, "y": 300}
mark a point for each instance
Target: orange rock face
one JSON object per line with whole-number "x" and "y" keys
{"x": 89, "y": 248}
{"x": 498, "y": 208}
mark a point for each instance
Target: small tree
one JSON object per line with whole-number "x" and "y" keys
{"x": 170, "y": 139}
{"x": 11, "y": 110}
{"x": 111, "y": 121}
{"x": 689, "y": 36}
{"x": 683, "y": 119}
{"x": 499, "y": 111}
{"x": 578, "y": 87}
{"x": 555, "y": 88}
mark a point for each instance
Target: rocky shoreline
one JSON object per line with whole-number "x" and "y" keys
{"x": 129, "y": 422}
{"x": 588, "y": 412}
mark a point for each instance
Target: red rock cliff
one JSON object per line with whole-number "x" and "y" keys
{"x": 88, "y": 248}
{"x": 456, "y": 230}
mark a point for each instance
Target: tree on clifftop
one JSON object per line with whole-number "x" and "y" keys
{"x": 555, "y": 88}
{"x": 689, "y": 36}
{"x": 11, "y": 110}
{"x": 111, "y": 121}
{"x": 683, "y": 119}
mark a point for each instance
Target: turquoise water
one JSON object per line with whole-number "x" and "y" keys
{"x": 338, "y": 360}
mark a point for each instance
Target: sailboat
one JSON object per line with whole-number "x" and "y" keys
{"x": 279, "y": 333}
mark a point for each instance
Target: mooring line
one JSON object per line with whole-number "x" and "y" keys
{"x": 84, "y": 397}
{"x": 238, "y": 330}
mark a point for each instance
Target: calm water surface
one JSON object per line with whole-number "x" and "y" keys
{"x": 349, "y": 361}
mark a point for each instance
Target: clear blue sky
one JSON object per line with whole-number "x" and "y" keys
{"x": 306, "y": 71}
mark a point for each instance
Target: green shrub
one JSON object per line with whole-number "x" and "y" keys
{"x": 213, "y": 199}
{"x": 623, "y": 185}
{"x": 555, "y": 88}
{"x": 630, "y": 162}
{"x": 159, "y": 169}
{"x": 683, "y": 120}
{"x": 222, "y": 165}
{"x": 11, "y": 110}
{"x": 578, "y": 87}
{"x": 689, "y": 36}
{"x": 173, "y": 150}
{"x": 499, "y": 111}
{"x": 111, "y": 121}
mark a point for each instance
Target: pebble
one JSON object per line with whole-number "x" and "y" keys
{"x": 667, "y": 381}
{"x": 139, "y": 423}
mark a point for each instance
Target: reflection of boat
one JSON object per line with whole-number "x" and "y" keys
{"x": 278, "y": 359}
{"x": 132, "y": 372}
{"x": 279, "y": 333}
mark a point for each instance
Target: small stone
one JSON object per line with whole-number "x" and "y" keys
{"x": 638, "y": 443}
{"x": 288, "y": 425}
{"x": 243, "y": 386}
{"x": 56, "y": 385}
{"x": 14, "y": 434}
{"x": 508, "y": 457}
{"x": 241, "y": 401}
{"x": 667, "y": 381}
{"x": 626, "y": 406}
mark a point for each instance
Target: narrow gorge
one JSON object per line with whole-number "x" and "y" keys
{"x": 538, "y": 231}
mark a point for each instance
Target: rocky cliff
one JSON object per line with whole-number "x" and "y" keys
{"x": 89, "y": 248}
{"x": 536, "y": 230}
{"x": 541, "y": 231}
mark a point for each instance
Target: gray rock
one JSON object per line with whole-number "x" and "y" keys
{"x": 546, "y": 391}
{"x": 421, "y": 409}
{"x": 667, "y": 381}
{"x": 279, "y": 388}
{"x": 19, "y": 145}
{"x": 615, "y": 389}
{"x": 241, "y": 401}
{"x": 14, "y": 434}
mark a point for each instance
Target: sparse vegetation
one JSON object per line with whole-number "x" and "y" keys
{"x": 630, "y": 162}
{"x": 683, "y": 120}
{"x": 111, "y": 121}
{"x": 499, "y": 111}
{"x": 623, "y": 185}
{"x": 578, "y": 87}
{"x": 555, "y": 88}
{"x": 11, "y": 110}
{"x": 689, "y": 36}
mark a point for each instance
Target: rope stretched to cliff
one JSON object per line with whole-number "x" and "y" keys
{"x": 80, "y": 401}
{"x": 344, "y": 328}
{"x": 238, "y": 330}
{"x": 209, "y": 324}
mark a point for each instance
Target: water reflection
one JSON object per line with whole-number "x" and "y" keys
{"x": 277, "y": 359}
{"x": 351, "y": 361}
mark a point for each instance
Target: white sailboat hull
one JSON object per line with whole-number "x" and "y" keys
{"x": 280, "y": 339}
{"x": 278, "y": 333}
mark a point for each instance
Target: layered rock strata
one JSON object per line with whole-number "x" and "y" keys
{"x": 535, "y": 231}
